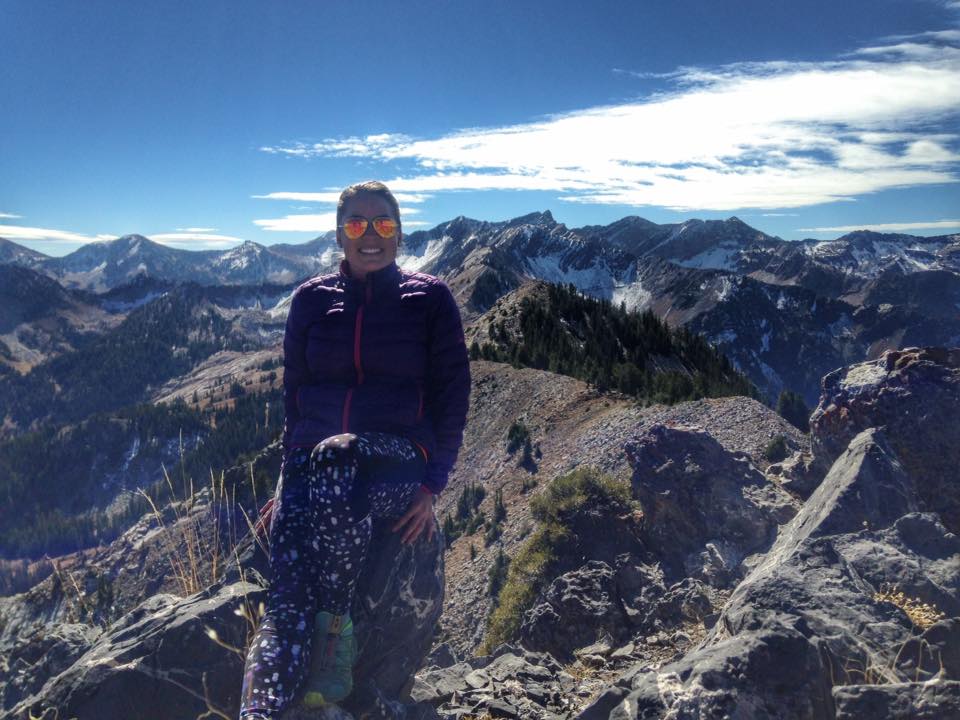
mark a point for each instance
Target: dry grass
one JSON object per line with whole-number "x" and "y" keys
{"x": 921, "y": 614}
{"x": 199, "y": 547}
{"x": 578, "y": 671}
{"x": 871, "y": 672}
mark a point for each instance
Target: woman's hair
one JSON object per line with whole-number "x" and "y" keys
{"x": 373, "y": 187}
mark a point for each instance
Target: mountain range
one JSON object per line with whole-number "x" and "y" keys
{"x": 785, "y": 312}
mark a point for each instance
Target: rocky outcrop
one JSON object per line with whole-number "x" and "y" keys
{"x": 511, "y": 682}
{"x": 915, "y": 395}
{"x": 858, "y": 591}
{"x": 173, "y": 657}
{"x": 705, "y": 509}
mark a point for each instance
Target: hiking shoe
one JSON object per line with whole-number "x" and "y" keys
{"x": 331, "y": 667}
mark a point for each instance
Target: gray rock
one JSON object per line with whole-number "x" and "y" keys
{"x": 501, "y": 709}
{"x": 799, "y": 474}
{"x": 477, "y": 679}
{"x": 903, "y": 701}
{"x": 41, "y": 655}
{"x": 914, "y": 394}
{"x": 694, "y": 493}
{"x": 161, "y": 649}
{"x": 806, "y": 618}
{"x": 576, "y": 607}
{"x": 442, "y": 656}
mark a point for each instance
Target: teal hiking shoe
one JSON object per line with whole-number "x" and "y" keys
{"x": 331, "y": 666}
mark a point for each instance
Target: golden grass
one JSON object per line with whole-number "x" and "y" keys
{"x": 921, "y": 614}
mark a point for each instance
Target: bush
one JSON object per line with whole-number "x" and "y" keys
{"x": 497, "y": 575}
{"x": 518, "y": 436}
{"x": 467, "y": 516}
{"x": 537, "y": 561}
{"x": 776, "y": 449}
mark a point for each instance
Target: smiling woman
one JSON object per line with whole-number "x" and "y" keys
{"x": 368, "y": 228}
{"x": 376, "y": 384}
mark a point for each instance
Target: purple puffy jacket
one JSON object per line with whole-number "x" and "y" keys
{"x": 386, "y": 354}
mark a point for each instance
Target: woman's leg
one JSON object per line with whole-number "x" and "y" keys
{"x": 357, "y": 478}
{"x": 278, "y": 656}
{"x": 318, "y": 542}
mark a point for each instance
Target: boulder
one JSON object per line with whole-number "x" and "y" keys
{"x": 915, "y": 395}
{"x": 576, "y": 608}
{"x": 705, "y": 509}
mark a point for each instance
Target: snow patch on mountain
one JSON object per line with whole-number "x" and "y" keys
{"x": 770, "y": 375}
{"x": 434, "y": 248}
{"x": 596, "y": 280}
{"x": 633, "y": 295}
{"x": 720, "y": 257}
{"x": 727, "y": 336}
{"x": 726, "y": 289}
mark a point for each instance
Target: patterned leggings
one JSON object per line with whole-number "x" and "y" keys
{"x": 321, "y": 528}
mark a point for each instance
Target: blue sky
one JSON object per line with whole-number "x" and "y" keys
{"x": 204, "y": 124}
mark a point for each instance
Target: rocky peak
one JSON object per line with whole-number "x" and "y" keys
{"x": 544, "y": 218}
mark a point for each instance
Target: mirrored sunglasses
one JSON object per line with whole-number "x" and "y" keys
{"x": 385, "y": 226}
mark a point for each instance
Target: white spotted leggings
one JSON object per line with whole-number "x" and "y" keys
{"x": 322, "y": 521}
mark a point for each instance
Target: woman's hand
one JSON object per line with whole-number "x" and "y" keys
{"x": 418, "y": 516}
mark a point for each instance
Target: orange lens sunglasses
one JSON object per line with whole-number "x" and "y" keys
{"x": 385, "y": 226}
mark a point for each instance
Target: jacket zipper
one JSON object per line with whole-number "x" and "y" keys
{"x": 357, "y": 331}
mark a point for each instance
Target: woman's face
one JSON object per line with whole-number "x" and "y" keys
{"x": 369, "y": 252}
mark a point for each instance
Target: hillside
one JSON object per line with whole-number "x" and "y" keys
{"x": 557, "y": 328}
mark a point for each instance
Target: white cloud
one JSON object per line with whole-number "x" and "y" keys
{"x": 9, "y": 215}
{"x": 772, "y": 135}
{"x": 197, "y": 230}
{"x": 17, "y": 232}
{"x": 889, "y": 227}
{"x": 316, "y": 223}
{"x": 321, "y": 222}
{"x": 340, "y": 147}
{"x": 196, "y": 240}
{"x": 333, "y": 198}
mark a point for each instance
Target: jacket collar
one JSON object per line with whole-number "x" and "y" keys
{"x": 378, "y": 284}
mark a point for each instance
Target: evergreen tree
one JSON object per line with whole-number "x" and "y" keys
{"x": 792, "y": 408}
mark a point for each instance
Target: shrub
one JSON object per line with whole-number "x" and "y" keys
{"x": 538, "y": 560}
{"x": 497, "y": 574}
{"x": 517, "y": 436}
{"x": 776, "y": 449}
{"x": 467, "y": 517}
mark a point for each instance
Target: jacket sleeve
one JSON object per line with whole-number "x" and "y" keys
{"x": 295, "y": 372}
{"x": 447, "y": 388}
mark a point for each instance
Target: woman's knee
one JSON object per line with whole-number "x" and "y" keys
{"x": 335, "y": 449}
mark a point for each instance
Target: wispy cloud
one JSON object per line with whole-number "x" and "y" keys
{"x": 9, "y": 215}
{"x": 775, "y": 135}
{"x": 333, "y": 197}
{"x": 779, "y": 214}
{"x": 197, "y": 230}
{"x": 890, "y": 227}
{"x": 18, "y": 232}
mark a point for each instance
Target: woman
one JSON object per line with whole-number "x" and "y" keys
{"x": 376, "y": 385}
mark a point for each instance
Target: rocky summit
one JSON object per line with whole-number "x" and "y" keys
{"x": 701, "y": 580}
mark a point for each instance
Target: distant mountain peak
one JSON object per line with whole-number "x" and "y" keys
{"x": 130, "y": 239}
{"x": 535, "y": 218}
